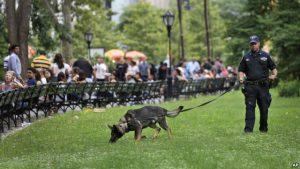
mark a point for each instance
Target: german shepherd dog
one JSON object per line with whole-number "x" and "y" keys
{"x": 137, "y": 119}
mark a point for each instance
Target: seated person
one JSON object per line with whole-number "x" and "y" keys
{"x": 78, "y": 76}
{"x": 81, "y": 77}
{"x": 138, "y": 77}
{"x": 129, "y": 79}
{"x": 31, "y": 77}
{"x": 61, "y": 77}
{"x": 177, "y": 76}
{"x": 74, "y": 74}
{"x": 10, "y": 82}
{"x": 112, "y": 78}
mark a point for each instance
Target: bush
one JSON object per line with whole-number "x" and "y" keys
{"x": 289, "y": 89}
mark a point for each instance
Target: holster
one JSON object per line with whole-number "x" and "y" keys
{"x": 243, "y": 90}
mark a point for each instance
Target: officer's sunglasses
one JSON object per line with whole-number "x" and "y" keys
{"x": 253, "y": 43}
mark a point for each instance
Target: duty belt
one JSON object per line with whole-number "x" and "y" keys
{"x": 256, "y": 82}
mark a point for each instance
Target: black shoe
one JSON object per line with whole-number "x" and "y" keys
{"x": 263, "y": 131}
{"x": 248, "y": 131}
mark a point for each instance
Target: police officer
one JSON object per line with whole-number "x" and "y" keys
{"x": 254, "y": 74}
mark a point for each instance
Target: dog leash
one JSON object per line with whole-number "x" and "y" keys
{"x": 207, "y": 102}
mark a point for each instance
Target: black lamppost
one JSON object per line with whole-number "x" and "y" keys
{"x": 168, "y": 19}
{"x": 88, "y": 36}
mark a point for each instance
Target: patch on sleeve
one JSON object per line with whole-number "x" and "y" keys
{"x": 263, "y": 58}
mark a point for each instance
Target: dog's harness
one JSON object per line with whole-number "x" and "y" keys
{"x": 207, "y": 102}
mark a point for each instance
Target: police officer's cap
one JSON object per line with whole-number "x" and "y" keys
{"x": 254, "y": 39}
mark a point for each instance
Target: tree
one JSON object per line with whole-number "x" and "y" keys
{"x": 64, "y": 28}
{"x": 42, "y": 36}
{"x": 195, "y": 35}
{"x": 246, "y": 24}
{"x": 143, "y": 30}
{"x": 285, "y": 23}
{"x": 18, "y": 28}
{"x": 207, "y": 29}
{"x": 78, "y": 17}
{"x": 3, "y": 35}
{"x": 3, "y": 40}
{"x": 274, "y": 21}
{"x": 93, "y": 17}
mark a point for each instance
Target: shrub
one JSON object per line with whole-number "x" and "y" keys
{"x": 289, "y": 89}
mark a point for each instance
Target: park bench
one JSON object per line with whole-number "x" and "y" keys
{"x": 19, "y": 105}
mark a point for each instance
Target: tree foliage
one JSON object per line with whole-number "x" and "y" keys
{"x": 143, "y": 30}
{"x": 85, "y": 15}
{"x": 246, "y": 24}
{"x": 285, "y": 23}
{"x": 195, "y": 30}
{"x": 3, "y": 42}
{"x": 93, "y": 16}
{"x": 3, "y": 36}
{"x": 277, "y": 22}
{"x": 42, "y": 28}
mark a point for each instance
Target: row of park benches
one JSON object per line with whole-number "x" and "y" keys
{"x": 17, "y": 106}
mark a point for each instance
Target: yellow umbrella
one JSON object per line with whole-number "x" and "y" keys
{"x": 114, "y": 54}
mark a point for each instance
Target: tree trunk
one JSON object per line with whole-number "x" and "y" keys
{"x": 211, "y": 39}
{"x": 67, "y": 42}
{"x": 179, "y": 7}
{"x": 11, "y": 21}
{"x": 23, "y": 32}
{"x": 207, "y": 28}
{"x": 64, "y": 30}
{"x": 18, "y": 28}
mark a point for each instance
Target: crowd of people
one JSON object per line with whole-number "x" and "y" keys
{"x": 44, "y": 71}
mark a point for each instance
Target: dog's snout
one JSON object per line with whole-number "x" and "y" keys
{"x": 112, "y": 140}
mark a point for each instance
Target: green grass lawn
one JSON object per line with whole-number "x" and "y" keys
{"x": 207, "y": 137}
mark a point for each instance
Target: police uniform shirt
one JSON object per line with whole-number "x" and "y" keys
{"x": 256, "y": 65}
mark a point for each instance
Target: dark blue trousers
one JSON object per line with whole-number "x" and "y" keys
{"x": 257, "y": 94}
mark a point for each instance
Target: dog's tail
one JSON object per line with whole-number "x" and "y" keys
{"x": 175, "y": 112}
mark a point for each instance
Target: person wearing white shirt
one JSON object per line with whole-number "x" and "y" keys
{"x": 59, "y": 66}
{"x": 132, "y": 68}
{"x": 5, "y": 63}
{"x": 14, "y": 63}
{"x": 6, "y": 59}
{"x": 192, "y": 67}
{"x": 100, "y": 70}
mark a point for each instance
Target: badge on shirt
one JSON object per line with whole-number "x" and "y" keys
{"x": 263, "y": 58}
{"x": 247, "y": 59}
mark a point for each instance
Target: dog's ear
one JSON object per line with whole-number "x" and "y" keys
{"x": 122, "y": 120}
{"x": 109, "y": 126}
{"x": 130, "y": 112}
